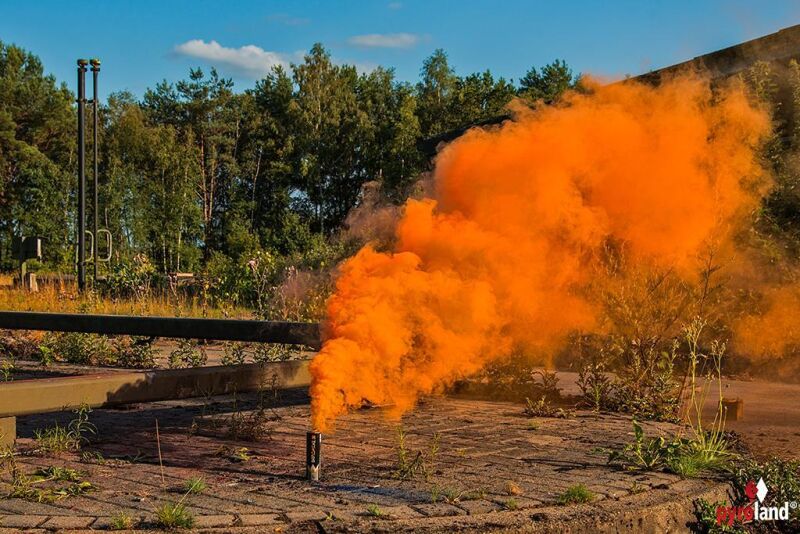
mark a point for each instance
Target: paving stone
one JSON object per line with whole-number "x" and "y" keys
{"x": 479, "y": 506}
{"x": 23, "y": 521}
{"x": 68, "y": 522}
{"x": 438, "y": 509}
{"x": 257, "y": 520}
{"x": 308, "y": 515}
{"x": 483, "y": 445}
{"x": 213, "y": 521}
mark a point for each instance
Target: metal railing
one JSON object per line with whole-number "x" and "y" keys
{"x": 291, "y": 333}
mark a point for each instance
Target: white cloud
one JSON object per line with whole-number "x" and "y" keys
{"x": 384, "y": 40}
{"x": 249, "y": 61}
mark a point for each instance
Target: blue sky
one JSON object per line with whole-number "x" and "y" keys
{"x": 142, "y": 42}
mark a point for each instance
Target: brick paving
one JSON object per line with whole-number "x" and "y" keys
{"x": 491, "y": 463}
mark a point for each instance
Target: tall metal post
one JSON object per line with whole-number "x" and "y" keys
{"x": 95, "y": 71}
{"x": 81, "y": 175}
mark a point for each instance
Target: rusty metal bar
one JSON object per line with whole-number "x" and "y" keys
{"x": 174, "y": 327}
{"x": 25, "y": 397}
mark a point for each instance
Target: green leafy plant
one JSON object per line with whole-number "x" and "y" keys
{"x": 134, "y": 352}
{"x": 597, "y": 387}
{"x": 76, "y": 347}
{"x": 59, "y": 439}
{"x": 543, "y": 408}
{"x": 46, "y": 484}
{"x": 188, "y": 354}
{"x": 7, "y": 370}
{"x": 234, "y": 353}
{"x": 577, "y": 494}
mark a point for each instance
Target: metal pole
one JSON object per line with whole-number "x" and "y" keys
{"x": 81, "y": 175}
{"x": 95, "y": 71}
{"x": 313, "y": 455}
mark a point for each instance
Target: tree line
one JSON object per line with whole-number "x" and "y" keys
{"x": 194, "y": 169}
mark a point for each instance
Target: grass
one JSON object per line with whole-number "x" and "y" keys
{"x": 171, "y": 516}
{"x": 511, "y": 504}
{"x": 194, "y": 485}
{"x": 412, "y": 462}
{"x": 57, "y": 438}
{"x": 577, "y": 494}
{"x": 66, "y": 299}
{"x": 121, "y": 521}
{"x": 373, "y": 510}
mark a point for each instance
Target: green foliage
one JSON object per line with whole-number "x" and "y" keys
{"x": 46, "y": 484}
{"x": 195, "y": 485}
{"x": 781, "y": 476}
{"x": 121, "y": 521}
{"x": 706, "y": 515}
{"x": 131, "y": 279}
{"x": 549, "y": 83}
{"x": 375, "y": 511}
{"x": 234, "y": 353}
{"x": 577, "y": 494}
{"x": 75, "y": 347}
{"x": 171, "y": 516}
{"x": 199, "y": 177}
{"x": 37, "y": 125}
{"x": 188, "y": 354}
{"x": 412, "y": 462}
{"x": 688, "y": 457}
{"x": 543, "y": 408}
{"x": 57, "y": 438}
{"x": 134, "y": 352}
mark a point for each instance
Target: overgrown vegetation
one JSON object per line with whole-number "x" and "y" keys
{"x": 706, "y": 448}
{"x": 44, "y": 485}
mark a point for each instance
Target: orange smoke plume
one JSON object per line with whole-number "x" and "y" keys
{"x": 775, "y": 331}
{"x": 497, "y": 258}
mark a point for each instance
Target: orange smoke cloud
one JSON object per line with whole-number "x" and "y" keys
{"x": 775, "y": 331}
{"x": 498, "y": 257}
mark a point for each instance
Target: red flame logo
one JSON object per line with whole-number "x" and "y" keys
{"x": 751, "y": 490}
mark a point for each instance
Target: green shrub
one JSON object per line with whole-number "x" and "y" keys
{"x": 188, "y": 354}
{"x": 134, "y": 352}
{"x": 76, "y": 347}
{"x": 132, "y": 278}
